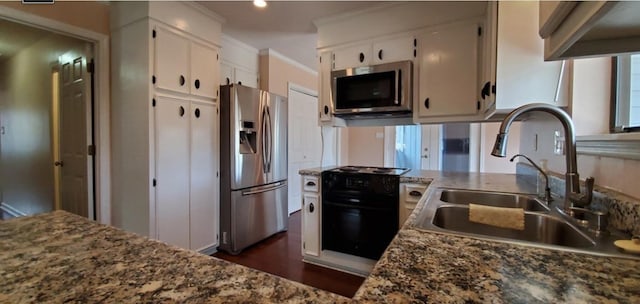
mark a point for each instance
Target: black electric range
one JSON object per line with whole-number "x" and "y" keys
{"x": 360, "y": 209}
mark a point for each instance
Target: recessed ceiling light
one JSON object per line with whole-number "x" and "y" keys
{"x": 260, "y": 3}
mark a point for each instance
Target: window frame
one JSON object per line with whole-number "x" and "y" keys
{"x": 614, "y": 127}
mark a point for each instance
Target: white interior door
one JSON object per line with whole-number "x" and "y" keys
{"x": 74, "y": 97}
{"x": 203, "y": 208}
{"x": 305, "y": 141}
{"x": 172, "y": 170}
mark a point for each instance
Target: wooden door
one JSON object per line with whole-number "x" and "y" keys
{"x": 75, "y": 96}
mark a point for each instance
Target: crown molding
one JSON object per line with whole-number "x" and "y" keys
{"x": 288, "y": 60}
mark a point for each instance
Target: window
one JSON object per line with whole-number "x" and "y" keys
{"x": 625, "y": 101}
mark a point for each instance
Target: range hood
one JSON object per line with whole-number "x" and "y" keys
{"x": 573, "y": 29}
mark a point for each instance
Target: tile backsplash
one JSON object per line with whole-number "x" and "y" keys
{"x": 624, "y": 211}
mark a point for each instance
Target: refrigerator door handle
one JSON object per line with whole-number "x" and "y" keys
{"x": 263, "y": 145}
{"x": 270, "y": 149}
{"x": 267, "y": 188}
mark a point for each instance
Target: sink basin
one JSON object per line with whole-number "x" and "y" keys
{"x": 446, "y": 211}
{"x": 495, "y": 199}
{"x": 539, "y": 228}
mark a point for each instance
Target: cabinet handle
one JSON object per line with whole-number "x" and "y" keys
{"x": 228, "y": 80}
{"x": 311, "y": 208}
{"x": 361, "y": 57}
{"x": 326, "y": 110}
{"x": 426, "y": 103}
{"x": 197, "y": 113}
{"x": 181, "y": 80}
{"x": 415, "y": 193}
{"x": 311, "y": 183}
{"x": 486, "y": 90}
{"x": 380, "y": 54}
{"x": 181, "y": 111}
{"x": 197, "y": 83}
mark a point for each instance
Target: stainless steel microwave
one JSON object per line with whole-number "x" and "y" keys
{"x": 377, "y": 89}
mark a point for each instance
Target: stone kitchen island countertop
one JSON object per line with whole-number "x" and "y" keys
{"x": 57, "y": 257}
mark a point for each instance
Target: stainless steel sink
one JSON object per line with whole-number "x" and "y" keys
{"x": 446, "y": 211}
{"x": 539, "y": 228}
{"x": 495, "y": 199}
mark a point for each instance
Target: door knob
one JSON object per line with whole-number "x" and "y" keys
{"x": 58, "y": 163}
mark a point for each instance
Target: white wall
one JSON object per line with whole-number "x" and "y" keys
{"x": 591, "y": 89}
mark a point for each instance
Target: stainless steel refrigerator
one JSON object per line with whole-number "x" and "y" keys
{"x": 253, "y": 166}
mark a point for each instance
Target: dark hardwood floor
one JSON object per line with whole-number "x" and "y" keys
{"x": 281, "y": 255}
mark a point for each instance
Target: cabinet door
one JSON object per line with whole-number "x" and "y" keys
{"x": 204, "y": 71}
{"x": 490, "y": 33}
{"x": 246, "y": 78}
{"x": 448, "y": 60}
{"x": 396, "y": 49}
{"x": 324, "y": 85}
{"x": 350, "y": 57}
{"x": 172, "y": 170}
{"x": 310, "y": 224}
{"x": 522, "y": 75}
{"x": 226, "y": 74}
{"x": 204, "y": 218}
{"x": 171, "y": 61}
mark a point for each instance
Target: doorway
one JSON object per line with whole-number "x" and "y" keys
{"x": 46, "y": 122}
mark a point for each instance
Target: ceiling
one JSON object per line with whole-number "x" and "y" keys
{"x": 284, "y": 26}
{"x": 15, "y": 36}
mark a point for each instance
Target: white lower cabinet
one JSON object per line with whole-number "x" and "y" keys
{"x": 410, "y": 195}
{"x": 186, "y": 169}
{"x": 311, "y": 216}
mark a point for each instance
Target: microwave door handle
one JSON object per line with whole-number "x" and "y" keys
{"x": 399, "y": 86}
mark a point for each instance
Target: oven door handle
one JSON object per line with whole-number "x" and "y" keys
{"x": 363, "y": 207}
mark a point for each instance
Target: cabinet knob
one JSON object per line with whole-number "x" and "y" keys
{"x": 197, "y": 112}
{"x": 310, "y": 183}
{"x": 326, "y": 110}
{"x": 361, "y": 57}
{"x": 380, "y": 54}
{"x": 228, "y": 80}
{"x": 426, "y": 103}
{"x": 240, "y": 82}
{"x": 197, "y": 83}
{"x": 311, "y": 208}
{"x": 486, "y": 90}
{"x": 415, "y": 193}
{"x": 181, "y": 80}
{"x": 181, "y": 111}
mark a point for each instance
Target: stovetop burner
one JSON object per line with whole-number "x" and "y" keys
{"x": 372, "y": 170}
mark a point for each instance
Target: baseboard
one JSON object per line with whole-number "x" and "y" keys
{"x": 11, "y": 211}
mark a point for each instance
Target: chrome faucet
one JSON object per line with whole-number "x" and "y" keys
{"x": 572, "y": 187}
{"x": 547, "y": 190}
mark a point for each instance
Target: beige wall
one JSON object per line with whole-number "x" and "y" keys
{"x": 490, "y": 163}
{"x": 89, "y": 15}
{"x": 591, "y": 89}
{"x": 364, "y": 148}
{"x": 276, "y": 73}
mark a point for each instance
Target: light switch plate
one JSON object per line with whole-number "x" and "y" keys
{"x": 558, "y": 143}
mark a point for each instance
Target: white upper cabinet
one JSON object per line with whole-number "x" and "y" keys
{"x": 521, "y": 74}
{"x": 589, "y": 28}
{"x": 324, "y": 88}
{"x": 204, "y": 66}
{"x": 352, "y": 56}
{"x": 448, "y": 77}
{"x": 171, "y": 61}
{"x": 183, "y": 65}
{"x": 394, "y": 49}
{"x": 246, "y": 78}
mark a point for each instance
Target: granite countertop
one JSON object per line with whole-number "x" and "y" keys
{"x": 420, "y": 266}
{"x": 58, "y": 257}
